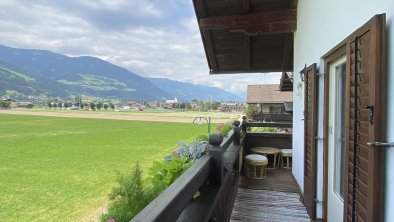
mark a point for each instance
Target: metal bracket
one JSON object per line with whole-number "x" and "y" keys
{"x": 380, "y": 144}
{"x": 320, "y": 74}
{"x": 319, "y": 138}
{"x": 319, "y": 201}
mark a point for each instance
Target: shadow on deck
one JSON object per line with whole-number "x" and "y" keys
{"x": 273, "y": 198}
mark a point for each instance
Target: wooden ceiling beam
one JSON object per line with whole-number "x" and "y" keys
{"x": 248, "y": 63}
{"x": 269, "y": 21}
{"x": 287, "y": 50}
{"x": 246, "y": 6}
{"x": 206, "y": 36}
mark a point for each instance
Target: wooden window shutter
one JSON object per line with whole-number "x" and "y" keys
{"x": 310, "y": 121}
{"x": 365, "y": 85}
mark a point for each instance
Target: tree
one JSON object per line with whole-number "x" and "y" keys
{"x": 251, "y": 108}
{"x": 60, "y": 105}
{"x": 112, "y": 106}
{"x": 49, "y": 105}
{"x": 92, "y": 106}
{"x": 216, "y": 105}
{"x": 208, "y": 105}
{"x": 106, "y": 106}
{"x": 99, "y": 105}
{"x": 78, "y": 99}
{"x": 4, "y": 104}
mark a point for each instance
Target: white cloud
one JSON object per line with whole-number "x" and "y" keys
{"x": 172, "y": 50}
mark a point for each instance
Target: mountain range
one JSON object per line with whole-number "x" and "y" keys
{"x": 29, "y": 72}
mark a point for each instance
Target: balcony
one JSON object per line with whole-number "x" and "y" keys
{"x": 226, "y": 194}
{"x": 272, "y": 117}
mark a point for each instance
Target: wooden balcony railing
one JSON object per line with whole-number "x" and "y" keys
{"x": 216, "y": 177}
{"x": 254, "y": 139}
{"x": 272, "y": 117}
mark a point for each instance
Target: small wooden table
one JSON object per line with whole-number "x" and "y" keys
{"x": 268, "y": 151}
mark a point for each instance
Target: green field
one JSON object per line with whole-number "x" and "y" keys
{"x": 62, "y": 169}
{"x": 149, "y": 112}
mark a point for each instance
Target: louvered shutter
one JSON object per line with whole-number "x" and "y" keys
{"x": 364, "y": 121}
{"x": 310, "y": 121}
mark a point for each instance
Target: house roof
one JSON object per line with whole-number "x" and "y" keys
{"x": 248, "y": 35}
{"x": 286, "y": 81}
{"x": 267, "y": 94}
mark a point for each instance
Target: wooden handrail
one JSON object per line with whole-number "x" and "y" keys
{"x": 170, "y": 203}
{"x": 273, "y": 124}
{"x": 173, "y": 201}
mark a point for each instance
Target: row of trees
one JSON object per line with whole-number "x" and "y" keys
{"x": 93, "y": 106}
{"x": 197, "y": 104}
{"x": 4, "y": 104}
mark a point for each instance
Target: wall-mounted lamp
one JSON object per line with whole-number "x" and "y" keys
{"x": 302, "y": 73}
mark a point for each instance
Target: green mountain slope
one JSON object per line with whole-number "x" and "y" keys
{"x": 29, "y": 72}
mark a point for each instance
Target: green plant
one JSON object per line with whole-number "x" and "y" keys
{"x": 163, "y": 173}
{"x": 133, "y": 194}
{"x": 251, "y": 108}
{"x": 128, "y": 198}
{"x": 200, "y": 138}
{"x": 191, "y": 151}
{"x": 264, "y": 129}
{"x": 224, "y": 128}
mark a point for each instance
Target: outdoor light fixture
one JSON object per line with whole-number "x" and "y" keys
{"x": 302, "y": 73}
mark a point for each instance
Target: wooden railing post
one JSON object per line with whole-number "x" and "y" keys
{"x": 237, "y": 132}
{"x": 244, "y": 124}
{"x": 216, "y": 176}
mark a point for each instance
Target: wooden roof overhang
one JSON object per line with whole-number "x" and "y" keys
{"x": 243, "y": 36}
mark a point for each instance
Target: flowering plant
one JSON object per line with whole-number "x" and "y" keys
{"x": 224, "y": 128}
{"x": 192, "y": 151}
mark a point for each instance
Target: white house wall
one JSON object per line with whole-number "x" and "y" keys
{"x": 321, "y": 26}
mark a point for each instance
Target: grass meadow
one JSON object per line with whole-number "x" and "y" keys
{"x": 62, "y": 169}
{"x": 150, "y": 112}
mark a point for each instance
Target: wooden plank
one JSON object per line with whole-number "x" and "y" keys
{"x": 277, "y": 179}
{"x": 246, "y": 6}
{"x": 213, "y": 202}
{"x": 366, "y": 86}
{"x": 200, "y": 209}
{"x": 311, "y": 86}
{"x": 270, "y": 21}
{"x": 247, "y": 42}
{"x": 209, "y": 49}
{"x": 230, "y": 156}
{"x": 268, "y": 205}
{"x": 206, "y": 36}
{"x": 287, "y": 51}
{"x": 171, "y": 202}
{"x": 227, "y": 141}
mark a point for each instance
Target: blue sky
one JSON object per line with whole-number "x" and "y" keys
{"x": 158, "y": 38}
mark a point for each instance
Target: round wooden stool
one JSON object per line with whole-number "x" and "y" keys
{"x": 255, "y": 166}
{"x": 288, "y": 155}
{"x": 269, "y": 151}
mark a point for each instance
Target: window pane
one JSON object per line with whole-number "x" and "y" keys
{"x": 340, "y": 129}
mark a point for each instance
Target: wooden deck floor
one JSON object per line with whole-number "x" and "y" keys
{"x": 273, "y": 198}
{"x": 277, "y": 179}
